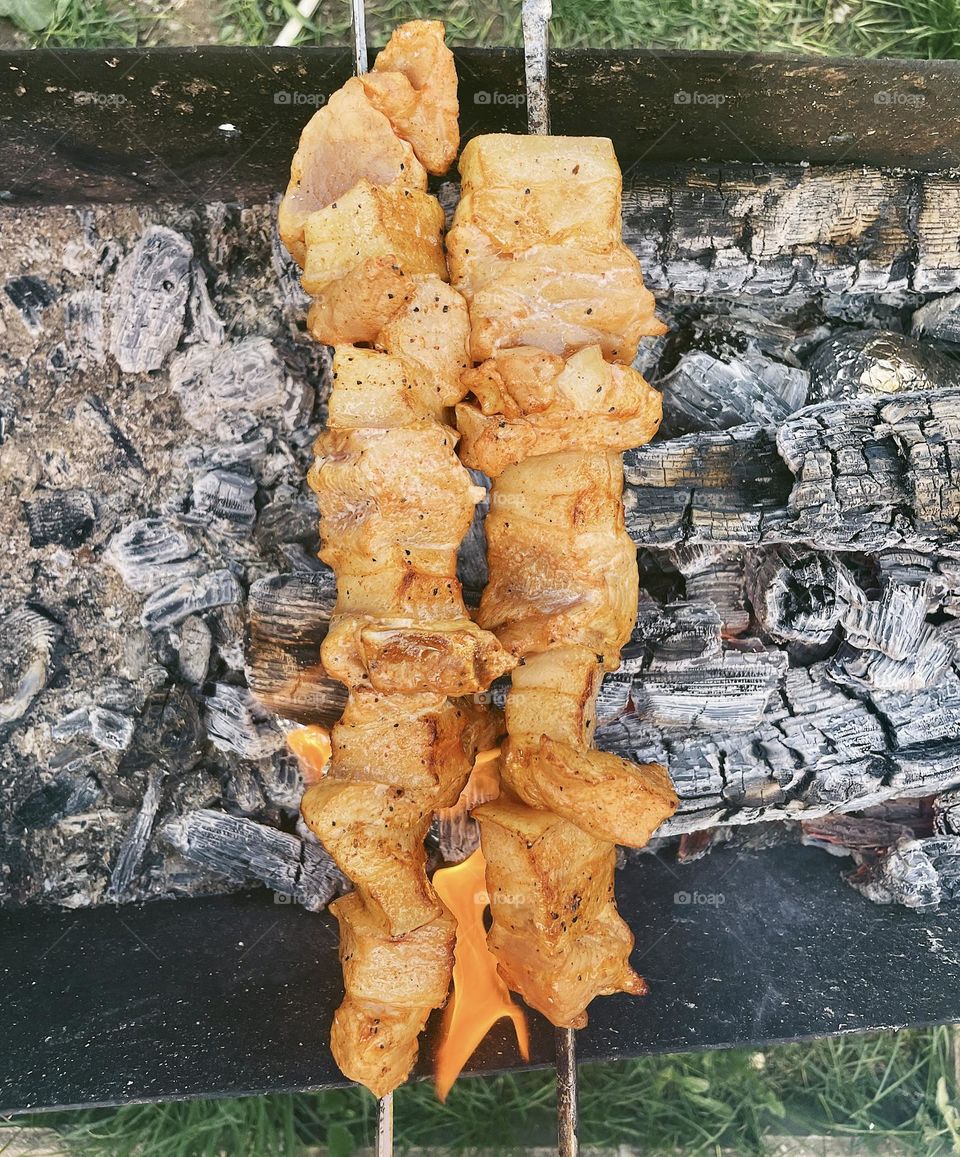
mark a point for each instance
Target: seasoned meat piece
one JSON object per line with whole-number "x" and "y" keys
{"x": 563, "y": 571}
{"x": 588, "y": 404}
{"x": 357, "y": 306}
{"x": 414, "y": 84}
{"x": 392, "y": 985}
{"x": 370, "y": 221}
{"x": 556, "y": 933}
{"x": 344, "y": 142}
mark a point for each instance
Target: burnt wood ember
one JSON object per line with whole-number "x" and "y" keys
{"x": 243, "y": 851}
{"x": 149, "y": 300}
{"x": 854, "y": 362}
{"x": 802, "y": 567}
{"x": 863, "y": 474}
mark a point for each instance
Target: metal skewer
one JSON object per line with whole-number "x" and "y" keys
{"x": 535, "y": 17}
{"x": 384, "y": 1146}
{"x": 536, "y": 39}
{"x": 567, "y": 1143}
{"x": 358, "y": 34}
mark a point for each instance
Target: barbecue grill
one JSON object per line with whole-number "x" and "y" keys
{"x": 207, "y": 996}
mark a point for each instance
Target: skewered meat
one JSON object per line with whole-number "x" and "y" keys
{"x": 414, "y": 83}
{"x": 344, "y": 142}
{"x": 564, "y": 943}
{"x": 356, "y": 216}
{"x": 536, "y": 249}
{"x": 555, "y": 297}
{"x": 395, "y": 503}
{"x": 563, "y": 570}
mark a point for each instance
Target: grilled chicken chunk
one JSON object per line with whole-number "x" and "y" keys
{"x": 522, "y": 410}
{"x": 563, "y": 571}
{"x": 392, "y": 984}
{"x": 414, "y": 83}
{"x": 556, "y": 933}
{"x": 344, "y": 142}
{"x": 373, "y": 221}
{"x": 536, "y": 249}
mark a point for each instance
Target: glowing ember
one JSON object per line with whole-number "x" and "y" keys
{"x": 311, "y": 746}
{"x": 480, "y": 998}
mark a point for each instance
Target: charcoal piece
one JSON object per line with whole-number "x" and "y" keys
{"x": 855, "y": 362}
{"x": 851, "y": 475}
{"x": 944, "y": 853}
{"x": 290, "y": 517}
{"x": 892, "y": 624}
{"x": 228, "y": 627}
{"x": 108, "y": 729}
{"x": 939, "y": 574}
{"x": 26, "y": 660}
{"x": 729, "y": 691}
{"x": 288, "y": 620}
{"x": 946, "y": 813}
{"x": 193, "y": 644}
{"x": 629, "y": 737}
{"x": 176, "y": 601}
{"x": 844, "y": 834}
{"x": 243, "y": 850}
{"x": 729, "y": 328}
{"x": 133, "y": 849}
{"x": 60, "y": 517}
{"x": 710, "y": 393}
{"x": 729, "y": 487}
{"x": 203, "y": 322}
{"x": 939, "y": 318}
{"x": 908, "y": 875}
{"x": 613, "y": 698}
{"x": 225, "y": 500}
{"x": 229, "y": 391}
{"x": 149, "y": 300}
{"x": 31, "y": 296}
{"x": 151, "y": 553}
{"x": 871, "y": 670}
{"x": 472, "y": 553}
{"x": 168, "y": 731}
{"x": 923, "y": 718}
{"x": 711, "y": 231}
{"x": 287, "y": 273}
{"x": 241, "y": 793}
{"x": 83, "y": 327}
{"x": 281, "y": 780}
{"x": 64, "y": 795}
{"x": 679, "y": 634}
{"x": 717, "y": 579}
{"x": 798, "y": 596}
{"x": 236, "y": 722}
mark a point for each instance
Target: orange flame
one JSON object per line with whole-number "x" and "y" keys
{"x": 311, "y": 746}
{"x": 480, "y": 997}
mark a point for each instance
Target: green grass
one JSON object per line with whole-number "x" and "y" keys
{"x": 924, "y": 28}
{"x": 888, "y": 1086}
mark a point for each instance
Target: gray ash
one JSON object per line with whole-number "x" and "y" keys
{"x": 158, "y": 406}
